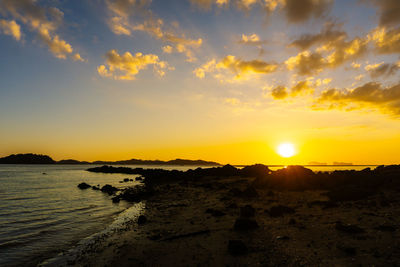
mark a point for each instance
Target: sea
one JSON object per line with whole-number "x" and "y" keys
{"x": 43, "y": 213}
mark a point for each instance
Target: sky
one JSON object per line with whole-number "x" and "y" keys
{"x": 221, "y": 80}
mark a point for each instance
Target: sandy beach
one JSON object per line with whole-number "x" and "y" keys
{"x": 227, "y": 221}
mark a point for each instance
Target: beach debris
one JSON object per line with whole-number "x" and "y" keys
{"x": 349, "y": 228}
{"x": 84, "y": 185}
{"x": 142, "y": 220}
{"x": 247, "y": 211}
{"x": 215, "y": 213}
{"x": 109, "y": 189}
{"x": 280, "y": 210}
{"x": 237, "y": 247}
{"x": 245, "y": 224}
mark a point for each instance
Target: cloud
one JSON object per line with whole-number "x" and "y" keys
{"x": 382, "y": 69}
{"x": 127, "y": 66}
{"x": 10, "y": 27}
{"x": 300, "y": 88}
{"x": 124, "y": 11}
{"x": 307, "y": 63}
{"x": 355, "y": 65}
{"x": 295, "y": 11}
{"x": 385, "y": 41}
{"x": 240, "y": 68}
{"x": 252, "y": 39}
{"x": 302, "y": 10}
{"x": 329, "y": 55}
{"x": 329, "y": 34}
{"x": 279, "y": 92}
{"x": 44, "y": 21}
{"x": 369, "y": 95}
{"x": 388, "y": 11}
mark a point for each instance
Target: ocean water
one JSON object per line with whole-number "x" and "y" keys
{"x": 44, "y": 213}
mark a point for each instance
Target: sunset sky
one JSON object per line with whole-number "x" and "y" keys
{"x": 221, "y": 80}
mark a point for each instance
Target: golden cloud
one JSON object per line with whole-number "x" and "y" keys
{"x": 369, "y": 95}
{"x": 127, "y": 66}
{"x": 295, "y": 10}
{"x": 42, "y": 20}
{"x": 10, "y": 27}
{"x": 385, "y": 41}
{"x": 330, "y": 34}
{"x": 252, "y": 39}
{"x": 382, "y": 69}
{"x": 241, "y": 68}
{"x": 279, "y": 92}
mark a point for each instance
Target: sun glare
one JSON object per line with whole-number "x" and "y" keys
{"x": 286, "y": 150}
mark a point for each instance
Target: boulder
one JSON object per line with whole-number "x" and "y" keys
{"x": 109, "y": 189}
{"x": 142, "y": 220}
{"x": 237, "y": 247}
{"x": 280, "y": 210}
{"x": 247, "y": 211}
{"x": 84, "y": 186}
{"x": 245, "y": 224}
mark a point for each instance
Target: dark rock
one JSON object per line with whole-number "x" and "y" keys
{"x": 138, "y": 178}
{"x": 350, "y": 193}
{"x": 142, "y": 219}
{"x": 245, "y": 224}
{"x": 249, "y": 192}
{"x": 215, "y": 213}
{"x": 257, "y": 170}
{"x": 109, "y": 189}
{"x": 349, "y": 228}
{"x": 350, "y": 251}
{"x": 126, "y": 180}
{"x": 84, "y": 186}
{"x": 130, "y": 180}
{"x": 95, "y": 187}
{"x": 237, "y": 247}
{"x": 247, "y": 211}
{"x": 386, "y": 228}
{"x": 137, "y": 193}
{"x": 280, "y": 210}
{"x": 292, "y": 221}
{"x": 232, "y": 206}
{"x": 116, "y": 199}
{"x": 282, "y": 237}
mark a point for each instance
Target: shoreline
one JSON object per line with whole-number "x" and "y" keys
{"x": 195, "y": 222}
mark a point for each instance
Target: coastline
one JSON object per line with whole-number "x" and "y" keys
{"x": 194, "y": 222}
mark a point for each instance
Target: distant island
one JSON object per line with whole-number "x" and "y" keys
{"x": 44, "y": 159}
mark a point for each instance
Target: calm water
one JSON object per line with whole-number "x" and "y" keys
{"x": 42, "y": 212}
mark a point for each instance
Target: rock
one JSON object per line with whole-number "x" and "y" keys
{"x": 142, "y": 220}
{"x": 349, "y": 228}
{"x": 245, "y": 224}
{"x": 232, "y": 206}
{"x": 282, "y": 237}
{"x": 249, "y": 192}
{"x": 83, "y": 186}
{"x": 385, "y": 228}
{"x": 138, "y": 178}
{"x": 350, "y": 193}
{"x": 95, "y": 187}
{"x": 350, "y": 251}
{"x": 126, "y": 180}
{"x": 109, "y": 189}
{"x": 130, "y": 180}
{"x": 116, "y": 199}
{"x": 237, "y": 247}
{"x": 247, "y": 211}
{"x": 280, "y": 210}
{"x": 215, "y": 213}
{"x": 292, "y": 221}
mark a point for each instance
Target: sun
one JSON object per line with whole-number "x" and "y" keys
{"x": 286, "y": 150}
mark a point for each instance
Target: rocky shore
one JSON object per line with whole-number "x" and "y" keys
{"x": 256, "y": 217}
